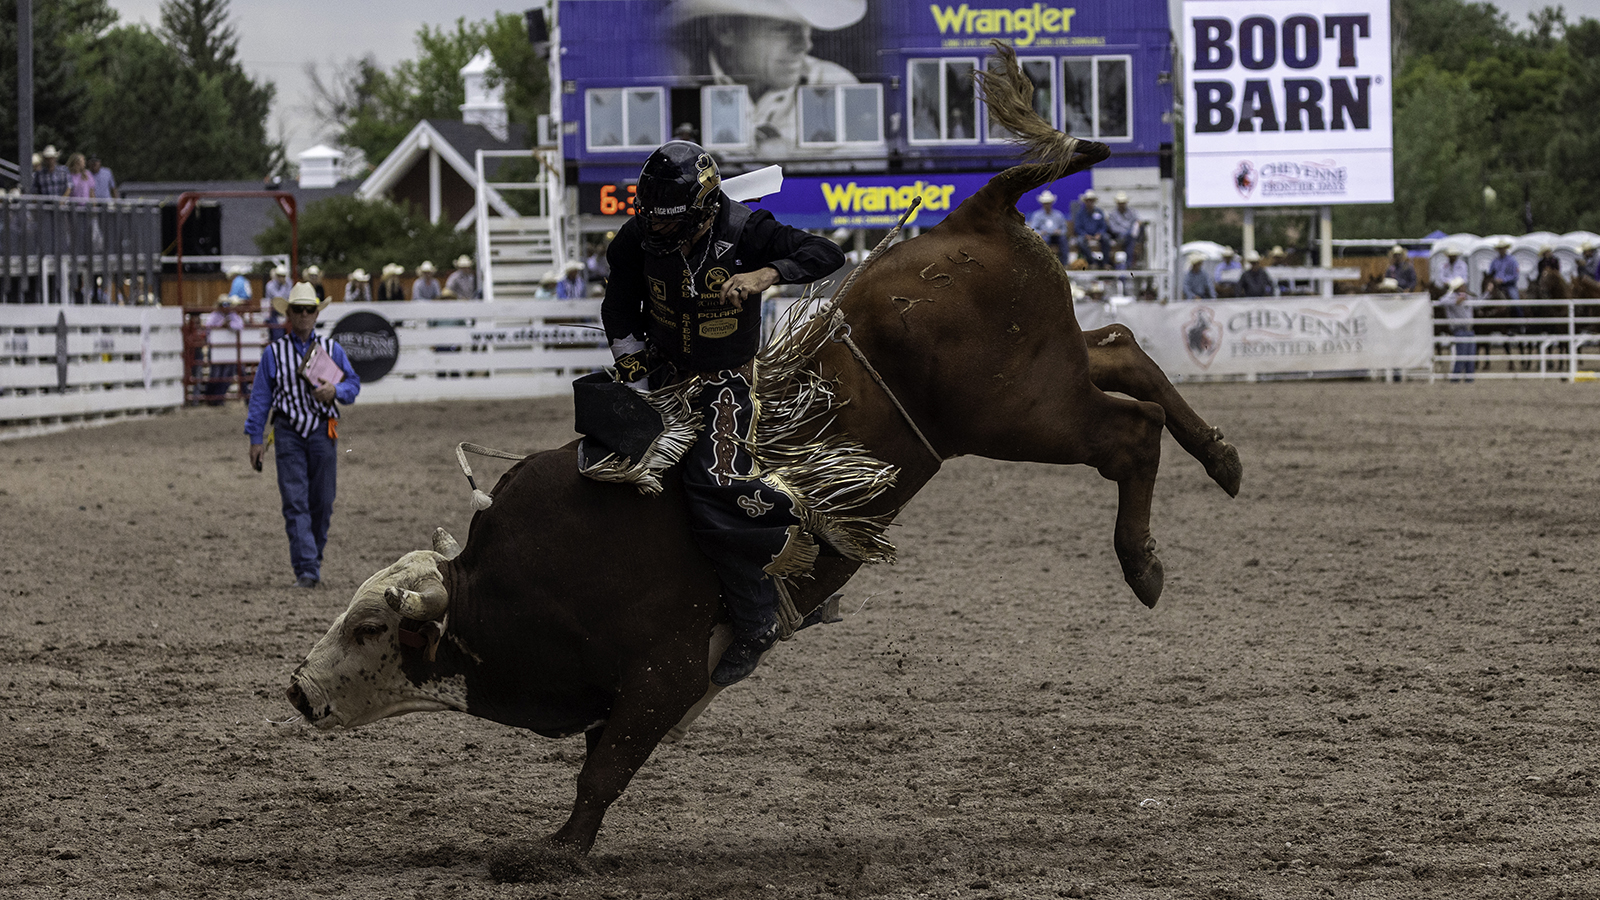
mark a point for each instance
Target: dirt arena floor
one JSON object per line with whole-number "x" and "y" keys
{"x": 1372, "y": 675}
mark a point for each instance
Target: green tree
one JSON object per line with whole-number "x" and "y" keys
{"x": 372, "y": 110}
{"x": 344, "y": 233}
{"x": 198, "y": 31}
{"x": 60, "y": 29}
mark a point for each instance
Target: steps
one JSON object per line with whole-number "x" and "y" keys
{"x": 521, "y": 251}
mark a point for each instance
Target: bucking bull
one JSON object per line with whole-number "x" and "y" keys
{"x": 960, "y": 341}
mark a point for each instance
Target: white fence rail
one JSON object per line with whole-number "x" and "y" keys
{"x": 1525, "y": 339}
{"x": 65, "y": 364}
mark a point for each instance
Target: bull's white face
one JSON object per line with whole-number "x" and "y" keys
{"x": 353, "y": 675}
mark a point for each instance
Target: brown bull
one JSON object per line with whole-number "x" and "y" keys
{"x": 577, "y": 606}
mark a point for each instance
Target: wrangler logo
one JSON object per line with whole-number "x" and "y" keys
{"x": 1025, "y": 21}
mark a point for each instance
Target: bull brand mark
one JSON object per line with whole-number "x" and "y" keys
{"x": 1260, "y": 43}
{"x": 724, "y": 429}
{"x": 1021, "y": 24}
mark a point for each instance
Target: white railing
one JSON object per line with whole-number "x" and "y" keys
{"x": 547, "y": 193}
{"x": 1552, "y": 339}
{"x": 64, "y": 365}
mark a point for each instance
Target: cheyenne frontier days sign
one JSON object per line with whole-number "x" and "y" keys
{"x": 1287, "y": 102}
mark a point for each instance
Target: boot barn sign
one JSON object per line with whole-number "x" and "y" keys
{"x": 1287, "y": 102}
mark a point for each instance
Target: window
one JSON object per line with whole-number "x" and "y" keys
{"x": 725, "y": 113}
{"x": 1042, "y": 72}
{"x": 1095, "y": 93}
{"x": 944, "y": 100}
{"x": 625, "y": 118}
{"x": 841, "y": 114}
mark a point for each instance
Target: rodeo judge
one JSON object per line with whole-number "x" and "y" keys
{"x": 684, "y": 298}
{"x": 301, "y": 376}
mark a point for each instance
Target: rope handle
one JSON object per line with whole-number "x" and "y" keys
{"x": 480, "y": 499}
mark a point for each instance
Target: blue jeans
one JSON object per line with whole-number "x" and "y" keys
{"x": 307, "y": 480}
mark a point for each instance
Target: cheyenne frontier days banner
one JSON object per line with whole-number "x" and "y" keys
{"x": 1287, "y": 102}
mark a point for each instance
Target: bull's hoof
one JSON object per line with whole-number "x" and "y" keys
{"x": 537, "y": 861}
{"x": 1144, "y": 574}
{"x": 1223, "y": 465}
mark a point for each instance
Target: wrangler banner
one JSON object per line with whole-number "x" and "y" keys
{"x": 1277, "y": 335}
{"x": 1287, "y": 103}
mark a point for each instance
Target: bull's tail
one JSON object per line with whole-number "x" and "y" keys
{"x": 1009, "y": 95}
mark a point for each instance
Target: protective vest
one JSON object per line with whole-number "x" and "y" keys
{"x": 688, "y": 322}
{"x": 291, "y": 392}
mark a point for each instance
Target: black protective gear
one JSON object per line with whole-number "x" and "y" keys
{"x": 679, "y": 191}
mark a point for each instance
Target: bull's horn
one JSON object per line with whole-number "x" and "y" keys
{"x": 426, "y": 606}
{"x": 444, "y": 544}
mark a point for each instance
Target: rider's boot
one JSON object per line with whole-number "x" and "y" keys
{"x": 753, "y": 606}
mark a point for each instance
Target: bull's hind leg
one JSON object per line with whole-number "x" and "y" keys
{"x": 1118, "y": 363}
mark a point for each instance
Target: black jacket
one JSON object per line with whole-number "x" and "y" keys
{"x": 674, "y": 302}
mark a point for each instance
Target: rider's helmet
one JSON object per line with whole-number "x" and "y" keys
{"x": 679, "y": 191}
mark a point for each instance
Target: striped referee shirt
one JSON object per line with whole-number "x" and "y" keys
{"x": 279, "y": 386}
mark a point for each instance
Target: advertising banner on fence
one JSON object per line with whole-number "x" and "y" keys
{"x": 1278, "y": 335}
{"x": 1287, "y": 103}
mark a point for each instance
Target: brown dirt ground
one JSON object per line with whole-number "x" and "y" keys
{"x": 1373, "y": 675}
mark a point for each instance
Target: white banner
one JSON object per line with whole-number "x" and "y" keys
{"x": 1287, "y": 102}
{"x": 1278, "y": 334}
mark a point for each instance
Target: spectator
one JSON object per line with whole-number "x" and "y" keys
{"x": 1276, "y": 257}
{"x": 1254, "y": 281}
{"x": 573, "y": 286}
{"x": 1090, "y": 230}
{"x": 1547, "y": 262}
{"x": 463, "y": 282}
{"x": 277, "y": 287}
{"x": 239, "y": 288}
{"x": 225, "y": 316}
{"x": 1050, "y": 225}
{"x": 1230, "y": 263}
{"x": 1123, "y": 225}
{"x": 105, "y": 184}
{"x": 51, "y": 180}
{"x": 356, "y": 287}
{"x": 313, "y": 277}
{"x": 1453, "y": 267}
{"x": 80, "y": 184}
{"x": 1401, "y": 270}
{"x": 597, "y": 270}
{"x": 1590, "y": 264}
{"x": 547, "y": 286}
{"x": 426, "y": 287}
{"x": 1459, "y": 316}
{"x": 1197, "y": 282}
{"x": 390, "y": 290}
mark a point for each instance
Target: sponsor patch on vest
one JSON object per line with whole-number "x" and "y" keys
{"x": 716, "y": 278}
{"x": 719, "y": 328}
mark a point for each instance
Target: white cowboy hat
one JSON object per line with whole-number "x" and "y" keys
{"x": 312, "y": 272}
{"x": 1546, "y": 250}
{"x": 1277, "y": 251}
{"x": 280, "y": 272}
{"x": 228, "y": 300}
{"x": 1388, "y": 284}
{"x": 1227, "y": 252}
{"x": 549, "y": 277}
{"x": 823, "y": 15}
{"x": 1452, "y": 250}
{"x": 392, "y": 269}
{"x": 302, "y": 294}
{"x": 1194, "y": 259}
{"x": 1586, "y": 246}
{"x": 360, "y": 275}
{"x": 238, "y": 270}
{"x": 1502, "y": 244}
{"x": 1456, "y": 284}
{"x": 1397, "y": 250}
{"x": 1090, "y": 195}
{"x": 1122, "y": 197}
{"x": 1046, "y": 197}
{"x": 463, "y": 262}
{"x": 572, "y": 266}
{"x": 1252, "y": 256}
{"x": 426, "y": 268}
{"x": 49, "y": 152}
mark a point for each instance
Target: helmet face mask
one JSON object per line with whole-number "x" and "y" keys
{"x": 679, "y": 192}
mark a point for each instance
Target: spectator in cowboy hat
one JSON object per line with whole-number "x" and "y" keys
{"x": 547, "y": 285}
{"x": 426, "y": 287}
{"x": 1254, "y": 281}
{"x": 1123, "y": 224}
{"x": 1453, "y": 266}
{"x": 573, "y": 286}
{"x": 1401, "y": 270}
{"x": 1050, "y": 224}
{"x": 313, "y": 277}
{"x": 224, "y": 316}
{"x": 240, "y": 287}
{"x": 1089, "y": 228}
{"x": 463, "y": 282}
{"x": 304, "y": 431}
{"x": 357, "y": 288}
{"x": 1230, "y": 261}
{"x": 1197, "y": 282}
{"x": 1504, "y": 272}
{"x": 1590, "y": 263}
{"x": 1459, "y": 315}
{"x": 390, "y": 290}
{"x": 51, "y": 180}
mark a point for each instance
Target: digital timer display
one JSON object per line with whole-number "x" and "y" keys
{"x": 607, "y": 199}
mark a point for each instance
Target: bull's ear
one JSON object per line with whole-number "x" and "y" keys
{"x": 444, "y": 544}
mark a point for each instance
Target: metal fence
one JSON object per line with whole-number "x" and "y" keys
{"x": 65, "y": 251}
{"x": 1532, "y": 338}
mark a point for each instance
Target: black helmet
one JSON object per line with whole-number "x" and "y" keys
{"x": 679, "y": 190}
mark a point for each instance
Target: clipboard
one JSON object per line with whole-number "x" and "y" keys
{"x": 319, "y": 368}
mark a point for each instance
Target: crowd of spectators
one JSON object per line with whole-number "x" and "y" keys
{"x": 83, "y": 176}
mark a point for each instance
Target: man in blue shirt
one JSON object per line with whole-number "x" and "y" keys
{"x": 1089, "y": 221}
{"x": 1049, "y": 223}
{"x": 303, "y": 416}
{"x": 1503, "y": 269}
{"x": 1197, "y": 282}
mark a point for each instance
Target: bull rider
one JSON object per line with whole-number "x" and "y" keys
{"x": 684, "y": 298}
{"x": 300, "y": 393}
